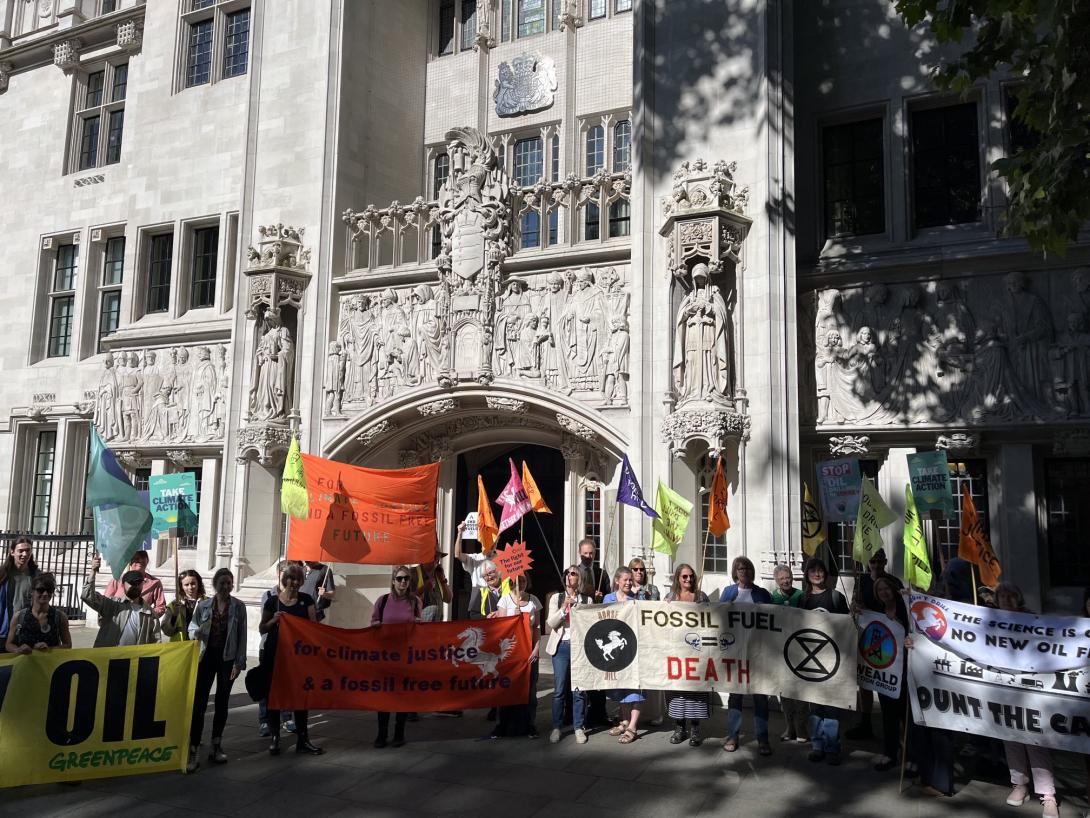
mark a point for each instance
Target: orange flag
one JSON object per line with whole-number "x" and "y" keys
{"x": 973, "y": 545}
{"x": 530, "y": 487}
{"x": 487, "y": 530}
{"x": 718, "y": 521}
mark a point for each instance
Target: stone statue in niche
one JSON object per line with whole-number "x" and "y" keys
{"x": 180, "y": 397}
{"x": 1071, "y": 367}
{"x": 703, "y": 343}
{"x": 527, "y": 348}
{"x": 219, "y": 404}
{"x": 106, "y": 401}
{"x": 615, "y": 363}
{"x": 1029, "y": 333}
{"x": 333, "y": 383}
{"x": 392, "y": 341}
{"x": 828, "y": 353}
{"x": 585, "y": 329}
{"x": 152, "y": 377}
{"x": 554, "y": 349}
{"x": 274, "y": 371}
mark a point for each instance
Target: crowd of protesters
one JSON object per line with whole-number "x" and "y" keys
{"x": 133, "y": 610}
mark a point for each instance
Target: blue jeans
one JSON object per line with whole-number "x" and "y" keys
{"x": 825, "y": 728}
{"x": 760, "y": 716}
{"x": 561, "y": 679}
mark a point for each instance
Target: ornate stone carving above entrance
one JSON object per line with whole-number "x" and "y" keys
{"x": 263, "y": 442}
{"x": 165, "y": 395}
{"x": 525, "y": 84}
{"x": 985, "y": 350}
{"x": 959, "y": 442}
{"x": 848, "y": 445}
{"x": 704, "y": 229}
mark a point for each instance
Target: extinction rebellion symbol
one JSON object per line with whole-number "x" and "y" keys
{"x": 610, "y": 645}
{"x": 812, "y": 655}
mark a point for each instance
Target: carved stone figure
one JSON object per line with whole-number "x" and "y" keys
{"x": 106, "y": 418}
{"x": 513, "y": 307}
{"x": 615, "y": 296}
{"x": 554, "y": 350}
{"x": 1029, "y": 331}
{"x": 152, "y": 381}
{"x": 130, "y": 388}
{"x": 702, "y": 343}
{"x": 585, "y": 329}
{"x": 333, "y": 382}
{"x": 180, "y": 397}
{"x": 393, "y": 341}
{"x": 274, "y": 364}
{"x": 825, "y": 361}
{"x": 1071, "y": 367}
{"x": 615, "y": 363}
{"x": 527, "y": 348}
{"x": 203, "y": 390}
{"x": 426, "y": 348}
{"x": 219, "y": 405}
{"x": 357, "y": 336}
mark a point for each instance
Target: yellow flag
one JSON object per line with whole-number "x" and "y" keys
{"x": 718, "y": 521}
{"x": 813, "y": 527}
{"x": 487, "y": 530}
{"x": 529, "y": 485}
{"x": 293, "y": 484}
{"x": 873, "y": 516}
{"x": 917, "y": 562}
{"x": 973, "y": 545}
{"x": 674, "y": 511}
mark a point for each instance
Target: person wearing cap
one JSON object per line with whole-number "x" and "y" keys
{"x": 121, "y": 622}
{"x": 151, "y": 591}
{"x": 863, "y": 728}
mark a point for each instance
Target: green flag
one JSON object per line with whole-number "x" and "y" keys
{"x": 121, "y": 514}
{"x": 293, "y": 484}
{"x": 872, "y": 517}
{"x": 669, "y": 528}
{"x": 917, "y": 563}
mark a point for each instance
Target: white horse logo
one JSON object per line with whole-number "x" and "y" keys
{"x": 486, "y": 662}
{"x": 615, "y": 641}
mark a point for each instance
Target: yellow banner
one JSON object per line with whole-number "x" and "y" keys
{"x": 67, "y": 715}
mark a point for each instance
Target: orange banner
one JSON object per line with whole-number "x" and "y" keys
{"x": 369, "y": 516}
{"x": 423, "y": 667}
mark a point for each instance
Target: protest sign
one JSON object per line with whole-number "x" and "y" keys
{"x": 672, "y": 518}
{"x": 737, "y": 648}
{"x": 929, "y": 473}
{"x": 952, "y": 693}
{"x": 839, "y": 483}
{"x": 1003, "y": 639}
{"x": 67, "y": 715}
{"x": 873, "y": 515}
{"x": 881, "y": 663}
{"x": 513, "y": 561}
{"x": 426, "y": 666}
{"x": 173, "y": 499}
{"x": 366, "y": 516}
{"x": 470, "y": 531}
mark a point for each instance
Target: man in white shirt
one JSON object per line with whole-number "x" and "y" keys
{"x": 121, "y": 622}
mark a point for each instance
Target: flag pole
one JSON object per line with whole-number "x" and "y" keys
{"x": 972, "y": 579}
{"x": 609, "y": 538}
{"x": 704, "y": 554}
{"x": 552, "y": 556}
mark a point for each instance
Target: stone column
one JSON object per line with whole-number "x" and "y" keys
{"x": 208, "y": 510}
{"x": 1015, "y": 535}
{"x": 892, "y": 478}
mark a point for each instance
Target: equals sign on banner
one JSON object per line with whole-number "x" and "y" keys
{"x": 709, "y": 641}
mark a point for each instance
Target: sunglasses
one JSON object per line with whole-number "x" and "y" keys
{"x": 641, "y": 570}
{"x": 401, "y": 579}
{"x": 571, "y": 573}
{"x": 687, "y": 576}
{"x": 46, "y": 591}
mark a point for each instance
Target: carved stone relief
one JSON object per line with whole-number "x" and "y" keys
{"x": 566, "y": 331}
{"x": 977, "y": 351}
{"x": 165, "y": 395}
{"x": 525, "y": 84}
{"x": 957, "y": 442}
{"x": 272, "y": 383}
{"x": 848, "y": 445}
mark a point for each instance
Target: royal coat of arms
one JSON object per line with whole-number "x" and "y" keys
{"x": 524, "y": 85}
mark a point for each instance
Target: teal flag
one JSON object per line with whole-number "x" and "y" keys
{"x": 173, "y": 502}
{"x": 122, "y": 516}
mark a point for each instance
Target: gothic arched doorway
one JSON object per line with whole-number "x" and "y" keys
{"x": 542, "y": 533}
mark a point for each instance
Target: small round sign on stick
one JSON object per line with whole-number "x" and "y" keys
{"x": 513, "y": 561}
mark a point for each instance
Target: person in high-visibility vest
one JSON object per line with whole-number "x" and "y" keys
{"x": 485, "y": 601}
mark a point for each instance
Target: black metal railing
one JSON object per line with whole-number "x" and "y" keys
{"x": 67, "y": 557}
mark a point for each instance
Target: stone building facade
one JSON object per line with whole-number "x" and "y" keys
{"x": 556, "y": 230}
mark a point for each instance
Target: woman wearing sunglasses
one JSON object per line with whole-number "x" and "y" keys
{"x": 288, "y": 601}
{"x": 397, "y": 607}
{"x": 690, "y": 708}
{"x": 561, "y": 604}
{"x": 642, "y": 588}
{"x": 41, "y": 626}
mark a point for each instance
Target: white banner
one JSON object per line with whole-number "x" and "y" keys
{"x": 952, "y": 693}
{"x": 1003, "y": 639}
{"x": 738, "y": 648}
{"x": 881, "y": 658}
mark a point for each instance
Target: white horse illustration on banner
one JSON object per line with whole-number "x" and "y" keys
{"x": 616, "y": 641}
{"x": 486, "y": 662}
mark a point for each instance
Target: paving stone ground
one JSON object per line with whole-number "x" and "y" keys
{"x": 447, "y": 767}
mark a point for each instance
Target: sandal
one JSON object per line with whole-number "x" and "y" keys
{"x": 627, "y": 737}
{"x": 730, "y": 745}
{"x": 619, "y": 730}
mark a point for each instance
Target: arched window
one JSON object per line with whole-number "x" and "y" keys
{"x": 440, "y": 172}
{"x": 596, "y": 149}
{"x": 622, "y": 146}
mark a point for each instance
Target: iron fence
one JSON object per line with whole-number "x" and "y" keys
{"x": 67, "y": 557}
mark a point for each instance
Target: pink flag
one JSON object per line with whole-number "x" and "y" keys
{"x": 513, "y": 499}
